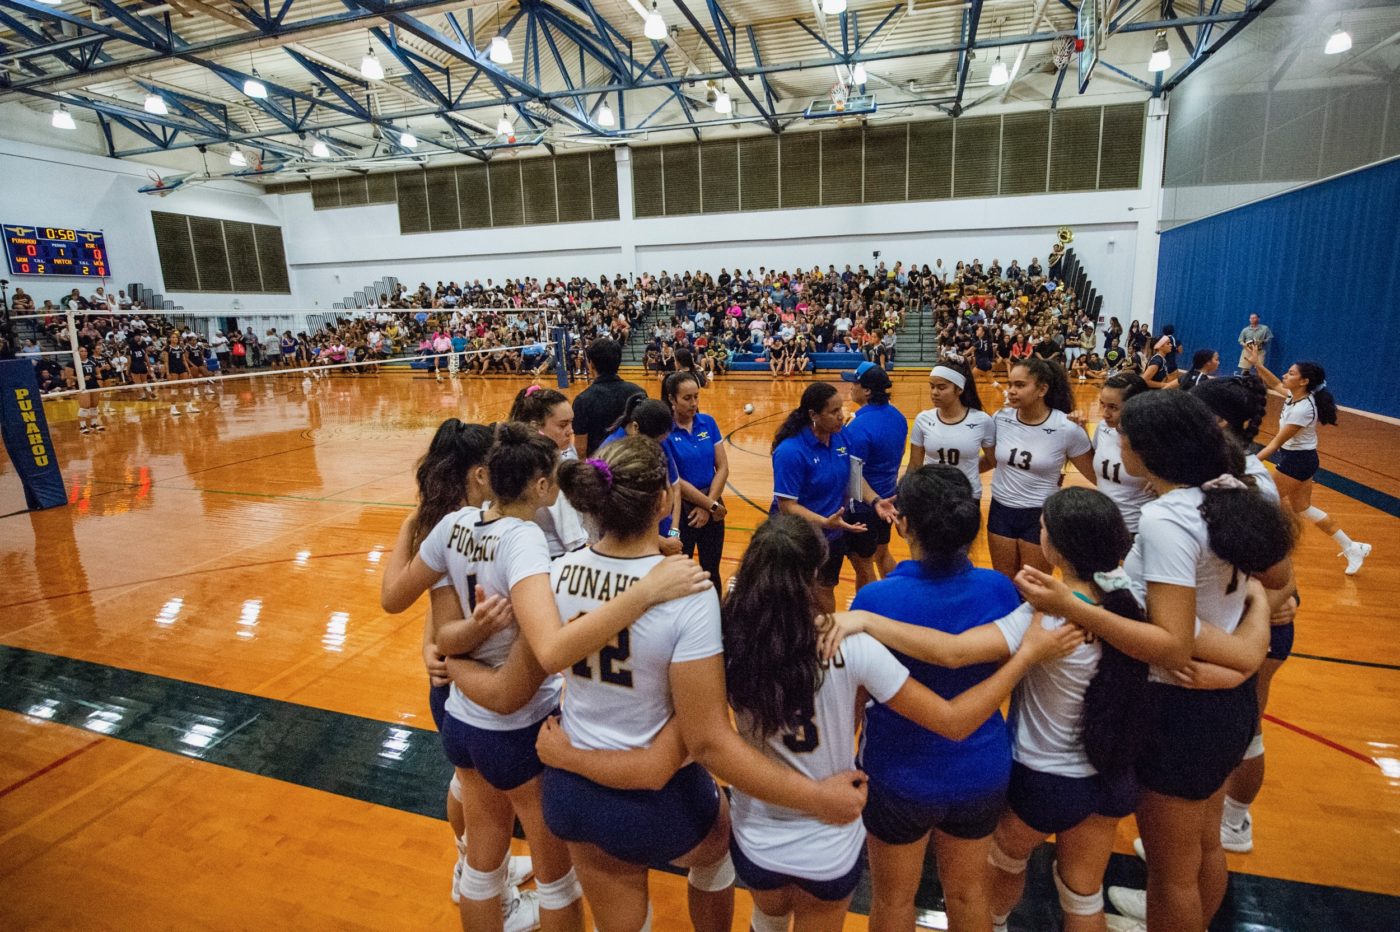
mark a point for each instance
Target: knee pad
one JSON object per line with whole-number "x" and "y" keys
{"x": 484, "y": 885}
{"x": 1005, "y": 862}
{"x": 1077, "y": 904}
{"x": 1256, "y": 747}
{"x": 646, "y": 926}
{"x": 762, "y": 922}
{"x": 561, "y": 893}
{"x": 455, "y": 788}
{"x": 716, "y": 877}
{"x": 1314, "y": 514}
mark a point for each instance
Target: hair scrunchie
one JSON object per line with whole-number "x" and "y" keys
{"x": 1113, "y": 580}
{"x": 1223, "y": 481}
{"x": 604, "y": 470}
{"x": 531, "y": 390}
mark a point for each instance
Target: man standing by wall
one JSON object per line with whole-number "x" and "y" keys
{"x": 1260, "y": 336}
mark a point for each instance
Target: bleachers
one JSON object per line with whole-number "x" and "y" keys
{"x": 816, "y": 362}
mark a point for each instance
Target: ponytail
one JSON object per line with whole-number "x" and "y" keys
{"x": 1317, "y": 388}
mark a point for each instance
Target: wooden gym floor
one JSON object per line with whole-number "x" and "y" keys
{"x": 206, "y": 720}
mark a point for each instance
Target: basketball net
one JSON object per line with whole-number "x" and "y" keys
{"x": 839, "y": 93}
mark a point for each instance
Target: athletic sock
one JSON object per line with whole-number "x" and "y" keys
{"x": 1341, "y": 538}
{"x": 1235, "y": 813}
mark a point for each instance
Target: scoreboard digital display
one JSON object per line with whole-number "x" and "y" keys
{"x": 55, "y": 251}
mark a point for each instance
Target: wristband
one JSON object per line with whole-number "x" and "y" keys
{"x": 673, "y": 533}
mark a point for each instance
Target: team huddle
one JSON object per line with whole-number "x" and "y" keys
{"x": 591, "y": 682}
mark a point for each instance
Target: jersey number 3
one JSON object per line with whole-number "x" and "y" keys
{"x": 610, "y": 660}
{"x": 804, "y": 739}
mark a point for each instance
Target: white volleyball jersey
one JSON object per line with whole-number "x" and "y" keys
{"x": 1173, "y": 547}
{"x": 1031, "y": 457}
{"x": 1128, "y": 492}
{"x": 620, "y": 697}
{"x": 1263, "y": 479}
{"x": 494, "y": 555}
{"x": 958, "y": 444}
{"x": 1048, "y": 704}
{"x": 792, "y": 842}
{"x": 1303, "y": 413}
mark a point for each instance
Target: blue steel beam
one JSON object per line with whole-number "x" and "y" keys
{"x": 38, "y": 41}
{"x": 1059, "y": 83}
{"x": 1252, "y": 11}
{"x": 412, "y": 64}
{"x": 894, "y": 11}
{"x": 43, "y": 12}
{"x": 678, "y": 95}
{"x": 1123, "y": 74}
{"x": 185, "y": 106}
{"x": 768, "y": 93}
{"x": 1204, "y": 30}
{"x": 728, "y": 63}
{"x": 137, "y": 25}
{"x": 972, "y": 16}
{"x": 332, "y": 82}
{"x": 1169, "y": 12}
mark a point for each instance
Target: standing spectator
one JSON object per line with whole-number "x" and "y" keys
{"x": 219, "y": 344}
{"x": 1259, "y": 336}
{"x": 599, "y": 405}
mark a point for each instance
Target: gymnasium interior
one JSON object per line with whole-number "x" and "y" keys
{"x": 207, "y": 721}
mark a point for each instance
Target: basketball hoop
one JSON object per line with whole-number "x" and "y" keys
{"x": 156, "y": 180}
{"x": 839, "y": 93}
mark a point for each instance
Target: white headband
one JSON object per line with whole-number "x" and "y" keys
{"x": 951, "y": 375}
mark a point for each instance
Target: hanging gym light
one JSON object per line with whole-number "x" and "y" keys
{"x": 655, "y": 27}
{"x": 155, "y": 104}
{"x": 370, "y": 66}
{"x": 1161, "y": 58}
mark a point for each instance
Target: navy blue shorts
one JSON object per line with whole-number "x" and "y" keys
{"x": 896, "y": 820}
{"x": 761, "y": 878}
{"x": 1195, "y": 738}
{"x": 437, "y": 703}
{"x": 1280, "y": 641}
{"x": 505, "y": 759}
{"x": 1016, "y": 523}
{"x": 648, "y": 827}
{"x": 830, "y": 573}
{"x": 1051, "y": 804}
{"x": 1297, "y": 464}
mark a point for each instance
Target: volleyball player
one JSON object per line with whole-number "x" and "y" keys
{"x": 924, "y": 786}
{"x": 550, "y": 413}
{"x": 623, "y": 689}
{"x": 1034, "y": 440}
{"x": 88, "y": 420}
{"x": 696, "y": 446}
{"x": 1198, "y": 543}
{"x": 1128, "y": 492}
{"x": 451, "y": 475}
{"x": 876, "y": 434}
{"x": 797, "y": 703}
{"x": 140, "y": 352}
{"x": 811, "y": 478}
{"x": 651, "y": 418}
{"x": 1307, "y": 403}
{"x": 173, "y": 360}
{"x": 490, "y": 734}
{"x": 955, "y": 431}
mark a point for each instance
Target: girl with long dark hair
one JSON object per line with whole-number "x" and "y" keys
{"x": 696, "y": 445}
{"x": 1035, "y": 438}
{"x": 955, "y": 431}
{"x": 1198, "y": 545}
{"x": 1127, "y": 491}
{"x": 549, "y": 412}
{"x": 811, "y": 479}
{"x": 649, "y": 417}
{"x": 1307, "y": 404}
{"x": 624, "y": 690}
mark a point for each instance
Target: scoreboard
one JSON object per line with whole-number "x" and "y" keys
{"x": 55, "y": 251}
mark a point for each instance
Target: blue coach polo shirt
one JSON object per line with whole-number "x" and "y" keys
{"x": 877, "y": 435}
{"x": 671, "y": 474}
{"x": 693, "y": 451}
{"x": 904, "y": 758}
{"x": 813, "y": 473}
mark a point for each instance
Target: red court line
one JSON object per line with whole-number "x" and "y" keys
{"x": 50, "y": 766}
{"x": 1321, "y": 740}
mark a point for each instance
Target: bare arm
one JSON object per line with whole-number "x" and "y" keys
{"x": 648, "y": 768}
{"x": 1166, "y": 642}
{"x": 503, "y": 689}
{"x": 916, "y": 458}
{"x": 961, "y": 716}
{"x": 982, "y": 644}
{"x": 557, "y": 645}
{"x": 456, "y": 635}
{"x": 1084, "y": 462}
{"x": 1245, "y": 649}
{"x": 1285, "y": 433}
{"x": 697, "y": 687}
{"x": 789, "y": 506}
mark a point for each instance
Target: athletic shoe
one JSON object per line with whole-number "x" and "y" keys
{"x": 174, "y": 411}
{"x": 1356, "y": 554}
{"x": 522, "y": 868}
{"x": 1123, "y": 924}
{"x": 522, "y": 914}
{"x": 98, "y": 426}
{"x": 1129, "y": 902}
{"x": 1239, "y": 840}
{"x": 85, "y": 429}
{"x": 190, "y": 408}
{"x": 1138, "y": 849}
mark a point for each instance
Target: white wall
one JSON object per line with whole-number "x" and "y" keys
{"x": 43, "y": 187}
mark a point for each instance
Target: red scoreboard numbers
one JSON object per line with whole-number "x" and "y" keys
{"x": 55, "y": 251}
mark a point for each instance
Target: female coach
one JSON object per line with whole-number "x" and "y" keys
{"x": 696, "y": 446}
{"x": 876, "y": 434}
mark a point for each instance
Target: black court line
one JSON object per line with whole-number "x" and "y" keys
{"x": 1374, "y": 664}
{"x": 401, "y": 767}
